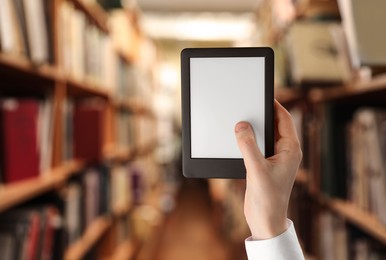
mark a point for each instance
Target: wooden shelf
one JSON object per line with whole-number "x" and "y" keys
{"x": 13, "y": 65}
{"x": 147, "y": 148}
{"x": 84, "y": 89}
{"x": 121, "y": 210}
{"x": 92, "y": 234}
{"x": 127, "y": 58}
{"x": 135, "y": 106}
{"x": 120, "y": 156}
{"x": 360, "y": 218}
{"x": 287, "y": 96}
{"x": 126, "y": 250}
{"x": 129, "y": 154}
{"x": 15, "y": 193}
{"x": 375, "y": 88}
{"x": 94, "y": 12}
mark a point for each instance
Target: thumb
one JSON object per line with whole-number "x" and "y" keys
{"x": 247, "y": 144}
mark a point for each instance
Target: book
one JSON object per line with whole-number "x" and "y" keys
{"x": 29, "y": 232}
{"x": 365, "y": 40}
{"x": 45, "y": 133}
{"x": 25, "y": 228}
{"x": 316, "y": 55}
{"x": 126, "y": 130}
{"x": 367, "y": 175}
{"x": 10, "y": 30}
{"x": 333, "y": 150}
{"x": 73, "y": 212}
{"x": 7, "y": 246}
{"x": 68, "y": 133}
{"x": 88, "y": 123}
{"x": 19, "y": 4}
{"x": 19, "y": 139}
{"x": 37, "y": 31}
{"x": 49, "y": 10}
{"x": 86, "y": 52}
{"x": 333, "y": 237}
{"x": 120, "y": 187}
{"x": 92, "y": 192}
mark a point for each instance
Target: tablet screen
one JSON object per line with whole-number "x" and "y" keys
{"x": 224, "y": 91}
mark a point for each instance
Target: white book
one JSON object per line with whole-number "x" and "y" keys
{"x": 364, "y": 23}
{"x": 37, "y": 33}
{"x": 10, "y": 30}
{"x": 45, "y": 134}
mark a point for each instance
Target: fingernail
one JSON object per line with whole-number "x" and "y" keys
{"x": 241, "y": 126}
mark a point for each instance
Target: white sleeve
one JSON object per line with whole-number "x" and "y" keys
{"x": 282, "y": 247}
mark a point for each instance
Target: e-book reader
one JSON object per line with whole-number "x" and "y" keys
{"x": 220, "y": 87}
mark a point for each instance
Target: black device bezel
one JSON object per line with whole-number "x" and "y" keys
{"x": 222, "y": 167}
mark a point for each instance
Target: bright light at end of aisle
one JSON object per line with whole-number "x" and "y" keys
{"x": 200, "y": 26}
{"x": 168, "y": 76}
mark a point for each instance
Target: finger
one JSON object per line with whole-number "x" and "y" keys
{"x": 285, "y": 125}
{"x": 288, "y": 142}
{"x": 247, "y": 144}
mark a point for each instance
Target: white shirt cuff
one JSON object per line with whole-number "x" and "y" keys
{"x": 282, "y": 247}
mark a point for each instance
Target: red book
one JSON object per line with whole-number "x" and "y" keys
{"x": 88, "y": 131}
{"x": 19, "y": 134}
{"x": 32, "y": 240}
{"x": 51, "y": 216}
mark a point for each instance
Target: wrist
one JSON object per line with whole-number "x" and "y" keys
{"x": 267, "y": 229}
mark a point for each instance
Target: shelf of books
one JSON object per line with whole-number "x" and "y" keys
{"x": 337, "y": 101}
{"x": 77, "y": 133}
{"x": 368, "y": 222}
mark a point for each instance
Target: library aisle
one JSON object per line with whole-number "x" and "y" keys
{"x": 191, "y": 225}
{"x": 90, "y": 127}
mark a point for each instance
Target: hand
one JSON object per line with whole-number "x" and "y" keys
{"x": 269, "y": 181}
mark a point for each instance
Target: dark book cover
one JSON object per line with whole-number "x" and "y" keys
{"x": 48, "y": 16}
{"x": 88, "y": 126}
{"x": 333, "y": 151}
{"x": 104, "y": 202}
{"x": 19, "y": 139}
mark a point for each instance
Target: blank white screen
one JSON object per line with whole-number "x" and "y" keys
{"x": 224, "y": 91}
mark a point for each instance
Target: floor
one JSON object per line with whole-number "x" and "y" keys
{"x": 190, "y": 232}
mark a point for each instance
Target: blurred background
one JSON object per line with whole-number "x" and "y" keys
{"x": 90, "y": 127}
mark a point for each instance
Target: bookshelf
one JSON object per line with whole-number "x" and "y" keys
{"x": 16, "y": 193}
{"x": 332, "y": 188}
{"x": 92, "y": 234}
{"x": 56, "y": 81}
{"x": 358, "y": 217}
{"x": 125, "y": 250}
{"x": 12, "y": 67}
{"x": 353, "y": 95}
{"x": 372, "y": 89}
{"x": 94, "y": 12}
